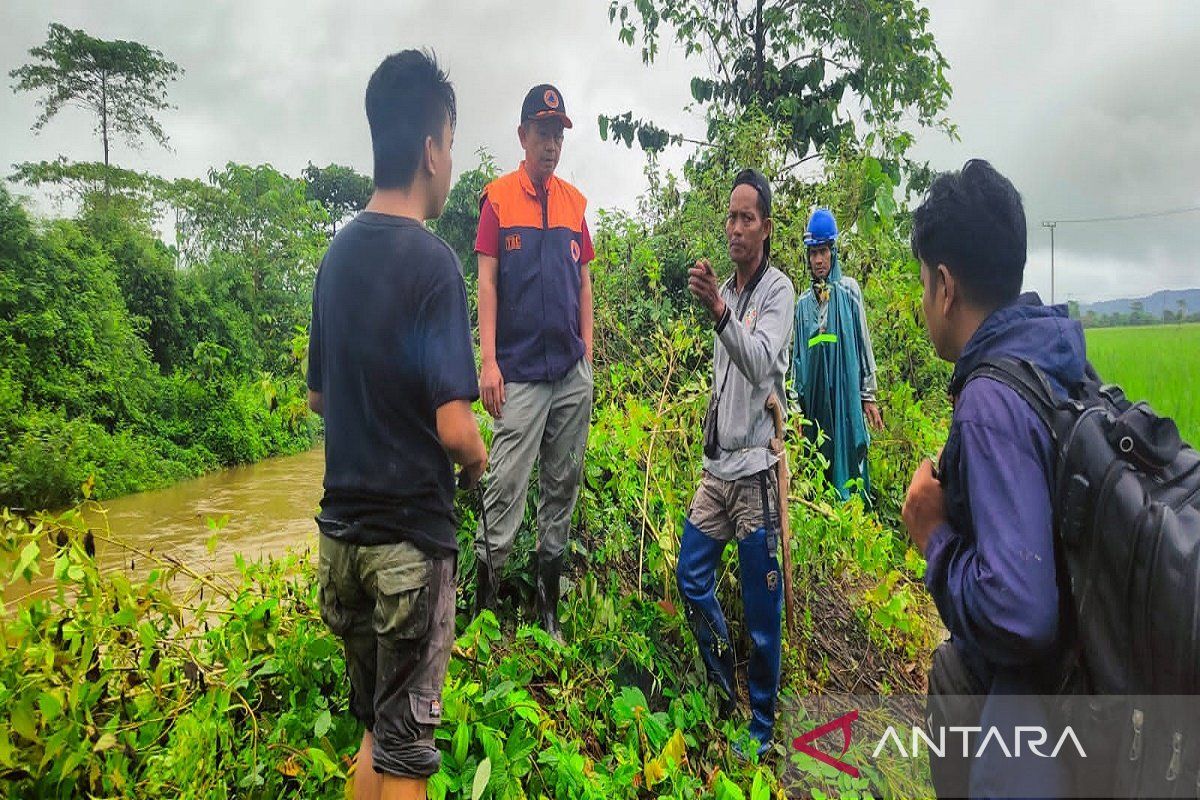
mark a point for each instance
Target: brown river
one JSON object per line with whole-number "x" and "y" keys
{"x": 270, "y": 507}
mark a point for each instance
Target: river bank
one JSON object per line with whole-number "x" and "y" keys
{"x": 255, "y": 510}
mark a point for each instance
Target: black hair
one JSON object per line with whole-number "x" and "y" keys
{"x": 756, "y": 181}
{"x": 408, "y": 97}
{"x": 973, "y": 222}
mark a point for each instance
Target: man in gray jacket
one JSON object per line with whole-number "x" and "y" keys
{"x": 738, "y": 494}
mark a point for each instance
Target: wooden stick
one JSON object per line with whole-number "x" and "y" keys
{"x": 789, "y": 597}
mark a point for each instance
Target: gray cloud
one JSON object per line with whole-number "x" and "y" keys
{"x": 1092, "y": 108}
{"x": 280, "y": 83}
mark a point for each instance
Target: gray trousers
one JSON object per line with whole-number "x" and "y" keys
{"x": 548, "y": 420}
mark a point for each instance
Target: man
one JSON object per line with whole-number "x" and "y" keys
{"x": 535, "y": 334}
{"x": 984, "y": 522}
{"x": 391, "y": 371}
{"x": 738, "y": 494}
{"x": 833, "y": 361}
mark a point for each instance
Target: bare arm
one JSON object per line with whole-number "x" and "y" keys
{"x": 316, "y": 402}
{"x": 586, "y": 313}
{"x": 491, "y": 381}
{"x": 459, "y": 434}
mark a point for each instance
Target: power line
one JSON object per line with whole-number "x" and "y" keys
{"x": 1052, "y": 223}
{"x": 1145, "y": 215}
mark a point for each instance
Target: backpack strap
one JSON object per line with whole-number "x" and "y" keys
{"x": 1024, "y": 378}
{"x": 1069, "y": 673}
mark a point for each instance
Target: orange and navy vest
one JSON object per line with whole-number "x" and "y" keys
{"x": 537, "y": 292}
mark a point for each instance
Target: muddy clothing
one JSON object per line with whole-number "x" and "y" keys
{"x": 390, "y": 342}
{"x": 745, "y": 509}
{"x": 393, "y": 606}
{"x": 727, "y": 510}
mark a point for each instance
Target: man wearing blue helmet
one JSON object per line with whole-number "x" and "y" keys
{"x": 833, "y": 365}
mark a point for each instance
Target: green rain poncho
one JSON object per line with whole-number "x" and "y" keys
{"x": 833, "y": 373}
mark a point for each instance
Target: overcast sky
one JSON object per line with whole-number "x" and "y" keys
{"x": 1092, "y": 108}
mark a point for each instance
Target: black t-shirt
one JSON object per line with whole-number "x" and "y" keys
{"x": 390, "y": 342}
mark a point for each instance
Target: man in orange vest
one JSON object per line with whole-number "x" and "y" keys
{"x": 535, "y": 334}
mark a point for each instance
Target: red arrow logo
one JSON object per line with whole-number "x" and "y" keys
{"x": 844, "y": 722}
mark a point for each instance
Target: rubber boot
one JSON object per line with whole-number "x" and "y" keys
{"x": 696, "y": 575}
{"x": 762, "y": 599}
{"x": 485, "y": 588}
{"x": 549, "y": 574}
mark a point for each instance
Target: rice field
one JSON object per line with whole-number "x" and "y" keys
{"x": 1159, "y": 364}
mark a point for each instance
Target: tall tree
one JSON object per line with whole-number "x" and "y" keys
{"x": 123, "y": 83}
{"x": 342, "y": 191}
{"x": 796, "y": 60}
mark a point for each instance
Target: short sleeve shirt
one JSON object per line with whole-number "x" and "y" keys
{"x": 389, "y": 343}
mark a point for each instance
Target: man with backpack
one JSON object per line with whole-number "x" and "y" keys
{"x": 984, "y": 518}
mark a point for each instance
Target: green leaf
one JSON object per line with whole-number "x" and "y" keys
{"x": 727, "y": 789}
{"x": 29, "y": 556}
{"x": 759, "y": 789}
{"x": 325, "y": 766}
{"x": 51, "y": 706}
{"x": 482, "y": 775}
{"x": 23, "y": 721}
{"x": 324, "y": 721}
{"x": 462, "y": 741}
{"x": 629, "y": 705}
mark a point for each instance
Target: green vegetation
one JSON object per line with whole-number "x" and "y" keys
{"x": 141, "y": 364}
{"x": 127, "y": 362}
{"x": 1156, "y": 364}
{"x": 193, "y": 685}
{"x": 800, "y": 65}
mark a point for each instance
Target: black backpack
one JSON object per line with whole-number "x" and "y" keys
{"x": 1126, "y": 495}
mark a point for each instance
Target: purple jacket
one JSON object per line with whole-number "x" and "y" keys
{"x": 991, "y": 567}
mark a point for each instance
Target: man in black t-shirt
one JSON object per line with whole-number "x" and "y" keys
{"x": 392, "y": 372}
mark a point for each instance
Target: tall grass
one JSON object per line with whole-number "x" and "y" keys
{"x": 1159, "y": 364}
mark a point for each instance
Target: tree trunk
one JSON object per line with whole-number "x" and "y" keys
{"x": 759, "y": 46}
{"x": 104, "y": 126}
{"x": 104, "y": 116}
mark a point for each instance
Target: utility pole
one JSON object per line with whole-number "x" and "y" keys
{"x": 1051, "y": 224}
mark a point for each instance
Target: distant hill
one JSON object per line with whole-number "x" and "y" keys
{"x": 1153, "y": 305}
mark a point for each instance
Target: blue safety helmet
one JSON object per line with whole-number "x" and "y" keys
{"x": 821, "y": 229}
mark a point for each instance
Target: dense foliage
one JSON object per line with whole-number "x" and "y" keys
{"x": 139, "y": 363}
{"x": 184, "y": 684}
{"x": 827, "y": 73}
